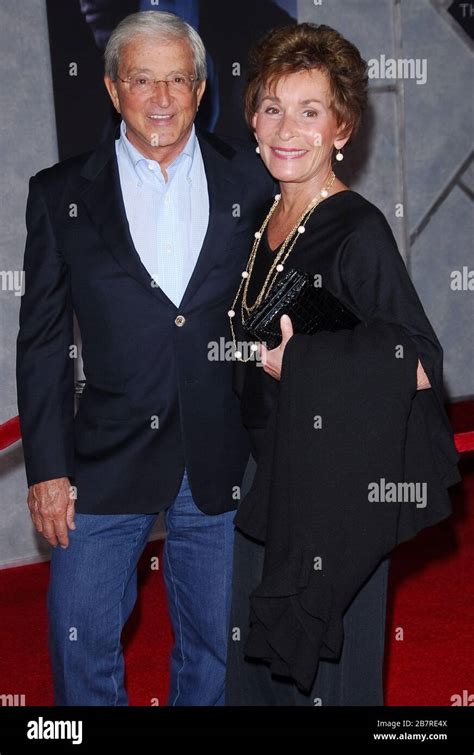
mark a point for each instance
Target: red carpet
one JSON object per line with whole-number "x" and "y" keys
{"x": 431, "y": 600}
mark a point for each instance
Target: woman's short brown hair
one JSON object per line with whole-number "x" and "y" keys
{"x": 302, "y": 47}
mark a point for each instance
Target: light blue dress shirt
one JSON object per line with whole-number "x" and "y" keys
{"x": 168, "y": 219}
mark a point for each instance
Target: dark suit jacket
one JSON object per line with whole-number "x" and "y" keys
{"x": 139, "y": 364}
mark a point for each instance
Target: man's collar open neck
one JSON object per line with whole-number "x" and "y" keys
{"x": 136, "y": 155}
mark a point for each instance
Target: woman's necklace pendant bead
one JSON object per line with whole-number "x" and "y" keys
{"x": 285, "y": 250}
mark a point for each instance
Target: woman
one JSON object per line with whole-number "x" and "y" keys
{"x": 306, "y": 642}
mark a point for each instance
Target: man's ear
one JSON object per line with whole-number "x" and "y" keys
{"x": 200, "y": 89}
{"x": 112, "y": 90}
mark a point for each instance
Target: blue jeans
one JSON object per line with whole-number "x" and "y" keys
{"x": 93, "y": 589}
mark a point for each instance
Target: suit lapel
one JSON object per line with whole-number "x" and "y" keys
{"x": 223, "y": 193}
{"x": 104, "y": 202}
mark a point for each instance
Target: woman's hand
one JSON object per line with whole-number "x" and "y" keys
{"x": 422, "y": 381}
{"x": 272, "y": 358}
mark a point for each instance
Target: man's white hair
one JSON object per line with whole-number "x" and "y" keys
{"x": 160, "y": 24}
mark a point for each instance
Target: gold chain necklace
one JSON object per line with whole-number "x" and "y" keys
{"x": 277, "y": 265}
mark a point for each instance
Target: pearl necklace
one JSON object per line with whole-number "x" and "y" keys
{"x": 277, "y": 265}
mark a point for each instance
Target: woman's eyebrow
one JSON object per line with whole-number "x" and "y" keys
{"x": 302, "y": 102}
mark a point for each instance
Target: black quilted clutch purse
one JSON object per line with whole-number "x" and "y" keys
{"x": 310, "y": 308}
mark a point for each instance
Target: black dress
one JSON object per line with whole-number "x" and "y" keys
{"x": 350, "y": 245}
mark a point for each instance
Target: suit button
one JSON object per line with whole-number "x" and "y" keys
{"x": 180, "y": 320}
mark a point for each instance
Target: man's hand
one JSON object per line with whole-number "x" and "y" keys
{"x": 51, "y": 505}
{"x": 272, "y": 359}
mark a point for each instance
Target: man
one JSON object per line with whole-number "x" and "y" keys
{"x": 144, "y": 240}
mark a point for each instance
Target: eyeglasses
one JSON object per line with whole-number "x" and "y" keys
{"x": 177, "y": 83}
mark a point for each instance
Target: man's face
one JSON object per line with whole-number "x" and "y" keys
{"x": 158, "y": 122}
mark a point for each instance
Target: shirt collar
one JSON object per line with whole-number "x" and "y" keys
{"x": 135, "y": 157}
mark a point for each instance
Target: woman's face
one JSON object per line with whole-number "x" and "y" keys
{"x": 295, "y": 129}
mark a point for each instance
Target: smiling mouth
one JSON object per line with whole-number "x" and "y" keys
{"x": 160, "y": 118}
{"x": 288, "y": 154}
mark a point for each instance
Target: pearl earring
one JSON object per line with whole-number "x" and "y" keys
{"x": 339, "y": 156}
{"x": 257, "y": 149}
